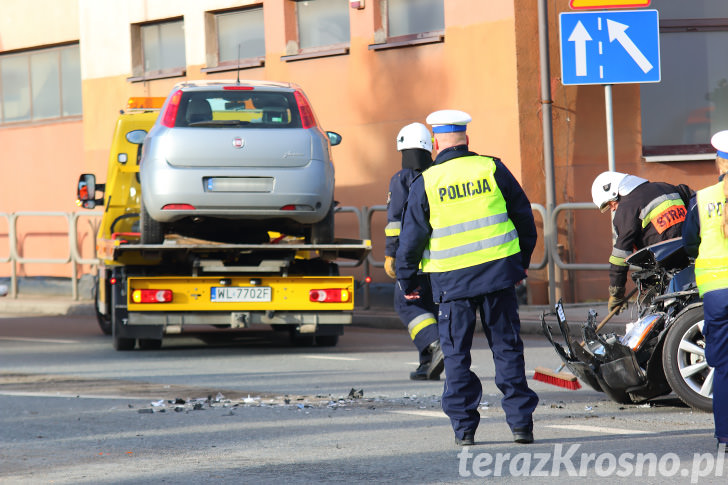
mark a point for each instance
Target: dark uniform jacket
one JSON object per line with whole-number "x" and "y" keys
{"x": 474, "y": 280}
{"x": 399, "y": 186}
{"x": 628, "y": 224}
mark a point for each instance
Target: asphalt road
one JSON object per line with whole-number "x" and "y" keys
{"x": 257, "y": 410}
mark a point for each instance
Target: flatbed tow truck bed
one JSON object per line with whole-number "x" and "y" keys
{"x": 185, "y": 284}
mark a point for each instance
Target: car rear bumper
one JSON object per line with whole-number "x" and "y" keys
{"x": 309, "y": 189}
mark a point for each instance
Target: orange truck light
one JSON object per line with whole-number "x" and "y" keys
{"x": 329, "y": 295}
{"x": 151, "y": 296}
{"x": 145, "y": 102}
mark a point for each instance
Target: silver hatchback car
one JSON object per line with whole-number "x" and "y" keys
{"x": 230, "y": 161}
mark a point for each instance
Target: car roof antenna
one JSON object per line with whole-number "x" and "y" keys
{"x": 238, "y": 79}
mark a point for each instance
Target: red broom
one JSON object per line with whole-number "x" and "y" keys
{"x": 561, "y": 379}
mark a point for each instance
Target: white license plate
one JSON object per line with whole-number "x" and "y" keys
{"x": 235, "y": 294}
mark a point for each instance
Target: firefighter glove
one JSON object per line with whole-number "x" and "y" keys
{"x": 389, "y": 267}
{"x": 616, "y": 299}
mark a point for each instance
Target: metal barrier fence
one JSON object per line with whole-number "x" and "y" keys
{"x": 364, "y": 221}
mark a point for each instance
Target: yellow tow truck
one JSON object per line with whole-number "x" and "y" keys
{"x": 185, "y": 285}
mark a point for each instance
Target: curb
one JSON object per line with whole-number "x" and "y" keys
{"x": 45, "y": 305}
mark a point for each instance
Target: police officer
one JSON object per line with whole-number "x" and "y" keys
{"x": 414, "y": 142}
{"x": 705, "y": 235}
{"x": 470, "y": 225}
{"x": 645, "y": 213}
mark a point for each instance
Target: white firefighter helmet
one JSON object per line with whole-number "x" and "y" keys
{"x": 414, "y": 135}
{"x": 606, "y": 188}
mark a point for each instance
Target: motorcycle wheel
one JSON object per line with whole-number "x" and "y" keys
{"x": 683, "y": 360}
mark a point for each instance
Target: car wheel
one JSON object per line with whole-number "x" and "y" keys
{"x": 104, "y": 320}
{"x": 152, "y": 232}
{"x": 683, "y": 360}
{"x": 323, "y": 231}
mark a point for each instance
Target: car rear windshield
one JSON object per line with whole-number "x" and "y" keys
{"x": 238, "y": 109}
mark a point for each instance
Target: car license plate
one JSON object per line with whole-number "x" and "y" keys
{"x": 236, "y": 294}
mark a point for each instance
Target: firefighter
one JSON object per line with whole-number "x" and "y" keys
{"x": 469, "y": 225}
{"x": 705, "y": 235}
{"x": 645, "y": 213}
{"x": 414, "y": 142}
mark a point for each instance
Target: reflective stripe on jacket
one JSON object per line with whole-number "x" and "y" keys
{"x": 468, "y": 216}
{"x": 711, "y": 265}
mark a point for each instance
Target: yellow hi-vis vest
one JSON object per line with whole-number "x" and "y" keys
{"x": 711, "y": 265}
{"x": 470, "y": 224}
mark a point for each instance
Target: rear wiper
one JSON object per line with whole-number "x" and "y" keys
{"x": 219, "y": 123}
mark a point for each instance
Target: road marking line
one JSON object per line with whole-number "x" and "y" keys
{"x": 326, "y": 357}
{"x": 597, "y": 429}
{"x": 61, "y": 394}
{"x": 427, "y": 414}
{"x": 41, "y": 340}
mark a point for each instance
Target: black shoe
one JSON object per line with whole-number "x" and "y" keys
{"x": 437, "y": 364}
{"x": 421, "y": 373}
{"x": 522, "y": 435}
{"x": 468, "y": 439}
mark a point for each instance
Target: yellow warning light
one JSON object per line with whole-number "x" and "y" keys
{"x": 145, "y": 102}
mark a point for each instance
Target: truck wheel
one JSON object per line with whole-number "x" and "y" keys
{"x": 327, "y": 340}
{"x": 103, "y": 320}
{"x": 301, "y": 339}
{"x": 323, "y": 231}
{"x": 150, "y": 344}
{"x": 123, "y": 344}
{"x": 683, "y": 360}
{"x": 152, "y": 232}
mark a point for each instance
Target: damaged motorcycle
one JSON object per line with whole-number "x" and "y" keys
{"x": 662, "y": 351}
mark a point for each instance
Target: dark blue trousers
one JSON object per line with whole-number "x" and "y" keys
{"x": 715, "y": 306}
{"x": 418, "y": 316}
{"x": 463, "y": 390}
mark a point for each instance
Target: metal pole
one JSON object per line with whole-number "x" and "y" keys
{"x": 548, "y": 146}
{"x": 610, "y": 126}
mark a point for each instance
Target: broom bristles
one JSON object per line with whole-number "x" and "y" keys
{"x": 561, "y": 379}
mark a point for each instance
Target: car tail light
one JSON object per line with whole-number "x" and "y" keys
{"x": 330, "y": 295}
{"x": 288, "y": 207}
{"x": 178, "y": 207}
{"x": 170, "y": 114}
{"x": 237, "y": 88}
{"x": 151, "y": 296}
{"x": 304, "y": 109}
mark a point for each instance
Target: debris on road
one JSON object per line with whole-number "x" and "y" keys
{"x": 354, "y": 394}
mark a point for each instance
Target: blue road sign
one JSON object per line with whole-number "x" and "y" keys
{"x": 610, "y": 47}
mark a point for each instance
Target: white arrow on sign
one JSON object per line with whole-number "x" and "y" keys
{"x": 579, "y": 36}
{"x": 617, "y": 31}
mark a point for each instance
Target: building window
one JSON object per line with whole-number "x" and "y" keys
{"x": 38, "y": 85}
{"x": 240, "y": 35}
{"x": 322, "y": 23}
{"x": 158, "y": 50}
{"x": 690, "y": 103}
{"x": 414, "y": 17}
{"x": 234, "y": 39}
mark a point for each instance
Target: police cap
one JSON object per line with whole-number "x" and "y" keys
{"x": 448, "y": 120}
{"x": 720, "y": 143}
